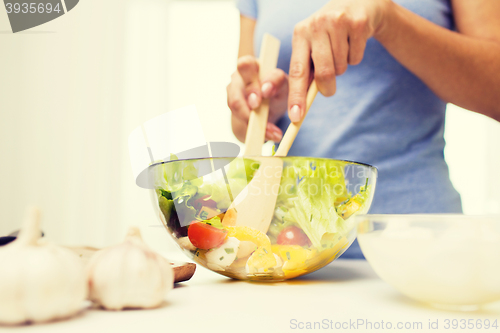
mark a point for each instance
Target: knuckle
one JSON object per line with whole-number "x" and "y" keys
{"x": 297, "y": 70}
{"x": 252, "y": 87}
{"x": 295, "y": 97}
{"x": 338, "y": 18}
{"x": 279, "y": 73}
{"x": 279, "y": 76}
{"x": 246, "y": 62}
{"x": 300, "y": 29}
{"x": 359, "y": 25}
{"x": 319, "y": 22}
{"x": 342, "y": 16}
{"x": 331, "y": 21}
{"x": 234, "y": 104}
{"x": 324, "y": 73}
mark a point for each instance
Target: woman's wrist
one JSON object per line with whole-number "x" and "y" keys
{"x": 388, "y": 22}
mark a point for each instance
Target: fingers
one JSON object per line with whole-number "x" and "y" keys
{"x": 358, "y": 35}
{"x": 338, "y": 33}
{"x": 333, "y": 38}
{"x": 273, "y": 132}
{"x": 248, "y": 68}
{"x": 323, "y": 58}
{"x": 299, "y": 73}
{"x": 243, "y": 93}
{"x": 236, "y": 99}
{"x": 274, "y": 83}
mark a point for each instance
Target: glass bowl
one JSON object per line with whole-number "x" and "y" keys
{"x": 312, "y": 202}
{"x": 448, "y": 261}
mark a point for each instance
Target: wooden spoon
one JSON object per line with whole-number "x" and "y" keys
{"x": 244, "y": 209}
{"x": 293, "y": 128}
{"x": 256, "y": 209}
{"x": 256, "y": 131}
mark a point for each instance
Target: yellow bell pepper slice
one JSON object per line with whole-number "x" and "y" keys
{"x": 262, "y": 259}
{"x": 295, "y": 258}
{"x": 351, "y": 207}
{"x": 299, "y": 260}
{"x": 244, "y": 233}
{"x": 329, "y": 253}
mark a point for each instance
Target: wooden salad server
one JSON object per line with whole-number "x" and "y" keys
{"x": 254, "y": 207}
{"x": 249, "y": 208}
{"x": 293, "y": 128}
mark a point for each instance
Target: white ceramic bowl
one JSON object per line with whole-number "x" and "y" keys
{"x": 448, "y": 261}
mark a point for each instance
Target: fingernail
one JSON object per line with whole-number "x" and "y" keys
{"x": 266, "y": 89}
{"x": 295, "y": 114}
{"x": 253, "y": 101}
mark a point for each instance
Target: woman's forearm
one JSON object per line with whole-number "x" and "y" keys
{"x": 460, "y": 69}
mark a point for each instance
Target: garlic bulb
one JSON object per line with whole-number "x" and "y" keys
{"x": 39, "y": 281}
{"x": 129, "y": 275}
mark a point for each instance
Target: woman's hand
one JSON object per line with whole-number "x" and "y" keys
{"x": 246, "y": 91}
{"x": 332, "y": 38}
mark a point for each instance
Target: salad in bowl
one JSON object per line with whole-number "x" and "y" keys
{"x": 311, "y": 223}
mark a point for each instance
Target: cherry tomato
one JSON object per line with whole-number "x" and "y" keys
{"x": 293, "y": 236}
{"x": 204, "y": 236}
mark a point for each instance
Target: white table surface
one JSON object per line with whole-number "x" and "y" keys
{"x": 346, "y": 290}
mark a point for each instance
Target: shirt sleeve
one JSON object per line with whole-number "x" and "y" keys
{"x": 247, "y": 8}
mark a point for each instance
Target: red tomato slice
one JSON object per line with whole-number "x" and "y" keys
{"x": 293, "y": 236}
{"x": 204, "y": 236}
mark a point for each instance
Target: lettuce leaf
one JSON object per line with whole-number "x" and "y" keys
{"x": 185, "y": 211}
{"x": 220, "y": 192}
{"x": 166, "y": 206}
{"x": 309, "y": 197}
{"x": 214, "y": 222}
{"x": 242, "y": 168}
{"x": 316, "y": 215}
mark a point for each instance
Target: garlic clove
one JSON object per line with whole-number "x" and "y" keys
{"x": 129, "y": 275}
{"x": 39, "y": 281}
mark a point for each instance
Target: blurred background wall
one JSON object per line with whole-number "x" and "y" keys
{"x": 73, "y": 89}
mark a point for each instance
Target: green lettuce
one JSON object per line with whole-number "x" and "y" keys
{"x": 242, "y": 168}
{"x": 171, "y": 176}
{"x": 309, "y": 193}
{"x": 223, "y": 193}
{"x": 177, "y": 183}
{"x": 166, "y": 205}
{"x": 214, "y": 222}
{"x": 316, "y": 215}
{"x": 185, "y": 211}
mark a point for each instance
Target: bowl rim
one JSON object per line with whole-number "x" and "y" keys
{"x": 422, "y": 217}
{"x": 268, "y": 157}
